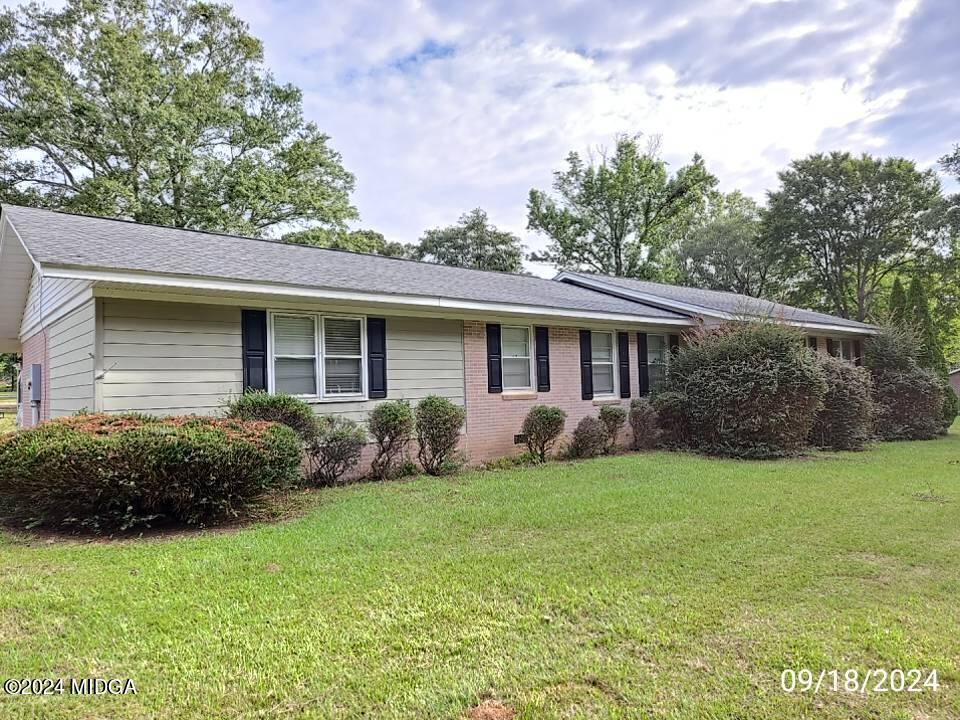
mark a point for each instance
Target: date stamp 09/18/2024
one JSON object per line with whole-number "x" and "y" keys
{"x": 852, "y": 680}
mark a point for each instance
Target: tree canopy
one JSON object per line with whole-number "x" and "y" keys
{"x": 614, "y": 213}
{"x": 361, "y": 241}
{"x": 846, "y": 224}
{"x": 159, "y": 112}
{"x": 472, "y": 243}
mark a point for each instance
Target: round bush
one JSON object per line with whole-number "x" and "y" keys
{"x": 284, "y": 409}
{"x": 116, "y": 472}
{"x": 909, "y": 404}
{"x": 951, "y": 406}
{"x": 613, "y": 418}
{"x": 542, "y": 426}
{"x": 752, "y": 389}
{"x": 589, "y": 438}
{"x": 335, "y": 448}
{"x": 673, "y": 418}
{"x": 644, "y": 424}
{"x": 391, "y": 425}
{"x": 438, "y": 422}
{"x": 846, "y": 420}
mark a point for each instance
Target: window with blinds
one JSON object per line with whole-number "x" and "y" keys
{"x": 601, "y": 344}
{"x": 515, "y": 342}
{"x": 656, "y": 360}
{"x": 317, "y": 356}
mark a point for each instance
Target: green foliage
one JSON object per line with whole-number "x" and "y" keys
{"x": 360, "y": 241}
{"x": 930, "y": 354}
{"x": 438, "y": 422}
{"x": 844, "y": 225}
{"x": 159, "y": 112}
{"x": 116, "y": 472}
{"x": 673, "y": 418}
{"x": 894, "y": 347}
{"x": 751, "y": 390}
{"x": 898, "y": 302}
{"x": 335, "y": 448}
{"x": 472, "y": 243}
{"x": 725, "y": 253}
{"x": 644, "y": 424}
{"x": 613, "y": 418}
{"x": 284, "y": 409}
{"x": 542, "y": 426}
{"x": 589, "y": 438}
{"x": 391, "y": 426}
{"x": 950, "y": 408}
{"x": 8, "y": 370}
{"x": 846, "y": 420}
{"x": 614, "y": 214}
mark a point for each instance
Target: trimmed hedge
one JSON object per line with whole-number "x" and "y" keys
{"x": 541, "y": 427}
{"x": 951, "y": 406}
{"x": 644, "y": 422}
{"x": 613, "y": 418}
{"x": 391, "y": 425}
{"x": 846, "y": 420}
{"x": 438, "y": 422}
{"x": 589, "y": 438}
{"x": 116, "y": 472}
{"x": 673, "y": 419}
{"x": 335, "y": 449}
{"x": 284, "y": 409}
{"x": 752, "y": 389}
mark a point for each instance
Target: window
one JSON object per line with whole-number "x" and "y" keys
{"x": 317, "y": 356}
{"x": 295, "y": 354}
{"x": 603, "y": 374}
{"x": 516, "y": 358}
{"x": 843, "y": 349}
{"x": 656, "y": 360}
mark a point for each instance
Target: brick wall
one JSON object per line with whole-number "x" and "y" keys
{"x": 494, "y": 418}
{"x": 34, "y": 350}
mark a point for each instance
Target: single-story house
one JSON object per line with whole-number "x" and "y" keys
{"x": 116, "y": 316}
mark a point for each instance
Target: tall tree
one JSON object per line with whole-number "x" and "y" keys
{"x": 848, "y": 223}
{"x": 472, "y": 243}
{"x": 360, "y": 241}
{"x": 8, "y": 370}
{"x": 725, "y": 253}
{"x": 159, "y": 111}
{"x": 615, "y": 213}
{"x": 930, "y": 354}
{"x": 898, "y": 303}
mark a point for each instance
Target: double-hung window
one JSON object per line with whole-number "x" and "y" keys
{"x": 656, "y": 360}
{"x": 516, "y": 358}
{"x": 604, "y": 377}
{"x": 317, "y": 356}
{"x": 843, "y": 349}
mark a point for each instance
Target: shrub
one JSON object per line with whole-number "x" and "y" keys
{"x": 643, "y": 424}
{"x": 589, "y": 438}
{"x": 116, "y": 472}
{"x": 391, "y": 425}
{"x": 752, "y": 389}
{"x": 951, "y": 406}
{"x": 613, "y": 418}
{"x": 673, "y": 418}
{"x": 542, "y": 426}
{"x": 846, "y": 420}
{"x": 909, "y": 399}
{"x": 438, "y": 423}
{"x": 284, "y": 409}
{"x": 335, "y": 448}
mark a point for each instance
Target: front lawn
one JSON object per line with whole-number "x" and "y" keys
{"x": 660, "y": 585}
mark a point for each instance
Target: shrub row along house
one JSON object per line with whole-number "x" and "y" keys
{"x": 114, "y": 316}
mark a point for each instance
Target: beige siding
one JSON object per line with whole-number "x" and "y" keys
{"x": 47, "y": 295}
{"x": 169, "y": 358}
{"x": 71, "y": 347}
{"x": 172, "y": 358}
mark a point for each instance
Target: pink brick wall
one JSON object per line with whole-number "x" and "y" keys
{"x": 34, "y": 350}
{"x": 494, "y": 418}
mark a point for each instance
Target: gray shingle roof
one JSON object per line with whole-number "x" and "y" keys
{"x": 722, "y": 302}
{"x": 79, "y": 241}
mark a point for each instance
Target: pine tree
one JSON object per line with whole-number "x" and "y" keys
{"x": 918, "y": 313}
{"x": 898, "y": 302}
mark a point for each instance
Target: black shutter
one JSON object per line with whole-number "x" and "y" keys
{"x": 377, "y": 357}
{"x": 253, "y": 330}
{"x": 674, "y": 343}
{"x": 857, "y": 353}
{"x": 586, "y": 365}
{"x": 812, "y": 342}
{"x": 642, "y": 357}
{"x": 494, "y": 359}
{"x": 829, "y": 346}
{"x": 543, "y": 358}
{"x": 623, "y": 357}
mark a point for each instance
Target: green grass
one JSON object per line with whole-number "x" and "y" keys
{"x": 658, "y": 585}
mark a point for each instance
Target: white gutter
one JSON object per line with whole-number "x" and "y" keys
{"x": 241, "y": 286}
{"x": 680, "y": 306}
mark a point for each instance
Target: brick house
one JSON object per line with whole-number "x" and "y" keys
{"x": 119, "y": 316}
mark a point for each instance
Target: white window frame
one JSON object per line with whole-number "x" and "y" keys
{"x": 666, "y": 353}
{"x": 614, "y": 363}
{"x": 319, "y": 332}
{"x": 838, "y": 344}
{"x": 531, "y": 353}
